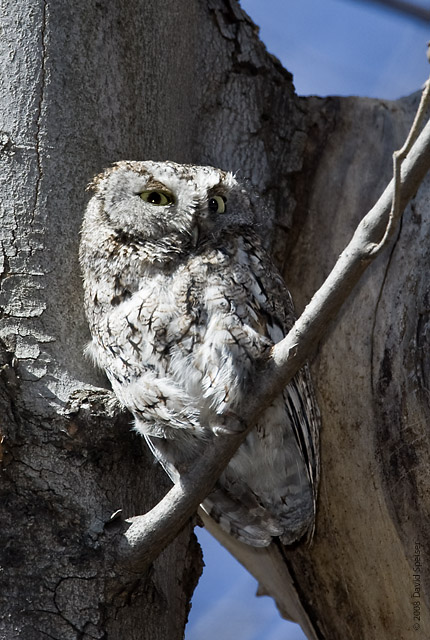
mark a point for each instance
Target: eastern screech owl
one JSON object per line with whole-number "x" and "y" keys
{"x": 182, "y": 300}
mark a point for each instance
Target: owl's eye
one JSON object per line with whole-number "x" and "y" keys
{"x": 157, "y": 198}
{"x": 217, "y": 204}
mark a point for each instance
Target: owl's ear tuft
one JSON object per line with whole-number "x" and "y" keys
{"x": 94, "y": 184}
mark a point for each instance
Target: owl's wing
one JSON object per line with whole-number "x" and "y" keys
{"x": 270, "y": 486}
{"x": 305, "y": 418}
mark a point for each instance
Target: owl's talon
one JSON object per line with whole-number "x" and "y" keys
{"x": 233, "y": 426}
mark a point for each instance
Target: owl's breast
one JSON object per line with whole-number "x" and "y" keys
{"x": 202, "y": 326}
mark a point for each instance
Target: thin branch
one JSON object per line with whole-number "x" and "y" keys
{"x": 398, "y": 158}
{"x": 408, "y": 8}
{"x": 145, "y": 536}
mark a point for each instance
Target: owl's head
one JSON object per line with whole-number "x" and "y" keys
{"x": 170, "y": 207}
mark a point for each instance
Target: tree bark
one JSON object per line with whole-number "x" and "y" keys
{"x": 85, "y": 84}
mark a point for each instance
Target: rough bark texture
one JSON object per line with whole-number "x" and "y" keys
{"x": 88, "y": 83}
{"x": 83, "y": 84}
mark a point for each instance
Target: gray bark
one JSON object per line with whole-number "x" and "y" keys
{"x": 85, "y": 84}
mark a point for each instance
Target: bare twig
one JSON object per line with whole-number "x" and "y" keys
{"x": 398, "y": 158}
{"x": 408, "y": 8}
{"x": 146, "y": 535}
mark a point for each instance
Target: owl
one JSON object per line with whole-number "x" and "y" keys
{"x": 183, "y": 302}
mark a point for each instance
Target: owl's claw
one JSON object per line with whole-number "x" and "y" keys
{"x": 233, "y": 425}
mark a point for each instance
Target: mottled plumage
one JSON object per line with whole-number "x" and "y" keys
{"x": 182, "y": 300}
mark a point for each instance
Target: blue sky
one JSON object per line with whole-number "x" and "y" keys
{"x": 332, "y": 47}
{"x": 344, "y": 47}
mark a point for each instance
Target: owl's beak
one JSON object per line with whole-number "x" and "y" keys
{"x": 195, "y": 235}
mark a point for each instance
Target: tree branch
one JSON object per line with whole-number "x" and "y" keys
{"x": 408, "y": 8}
{"x": 144, "y": 537}
{"x": 398, "y": 158}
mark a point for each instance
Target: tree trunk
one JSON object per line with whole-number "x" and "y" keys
{"x": 85, "y": 84}
{"x": 366, "y": 573}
